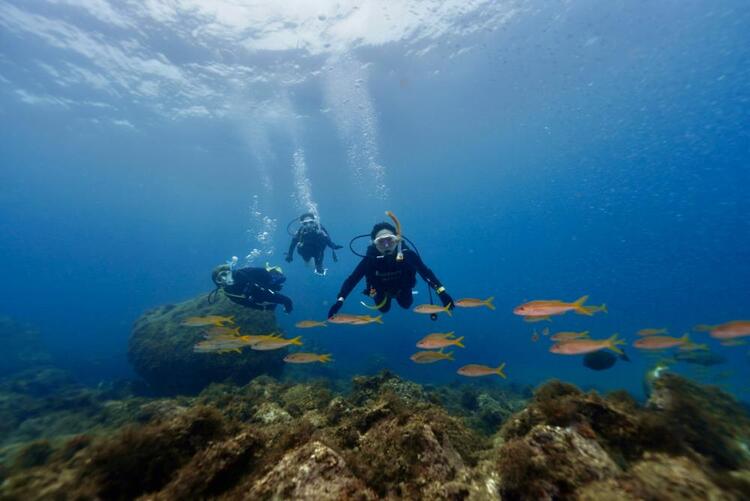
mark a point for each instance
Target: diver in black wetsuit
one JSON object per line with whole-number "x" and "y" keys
{"x": 256, "y": 288}
{"x": 311, "y": 240}
{"x": 386, "y": 275}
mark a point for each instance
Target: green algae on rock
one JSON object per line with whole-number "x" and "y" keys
{"x": 161, "y": 349}
{"x": 389, "y": 439}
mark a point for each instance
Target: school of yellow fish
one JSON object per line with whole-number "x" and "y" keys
{"x": 220, "y": 338}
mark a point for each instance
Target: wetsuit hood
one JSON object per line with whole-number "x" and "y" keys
{"x": 380, "y": 227}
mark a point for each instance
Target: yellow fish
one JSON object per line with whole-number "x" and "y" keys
{"x": 429, "y": 309}
{"x": 652, "y": 332}
{"x": 346, "y": 319}
{"x": 219, "y": 330}
{"x": 307, "y": 358}
{"x": 569, "y": 336}
{"x": 221, "y": 344}
{"x": 583, "y": 346}
{"x": 276, "y": 343}
{"x": 471, "y": 302}
{"x": 255, "y": 339}
{"x": 439, "y": 340}
{"x": 428, "y": 357}
{"x": 476, "y": 370}
{"x": 547, "y": 307}
{"x": 207, "y": 320}
{"x": 306, "y": 324}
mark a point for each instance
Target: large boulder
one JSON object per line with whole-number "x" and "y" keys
{"x": 161, "y": 348}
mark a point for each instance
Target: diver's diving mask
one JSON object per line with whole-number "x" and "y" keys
{"x": 386, "y": 242}
{"x": 224, "y": 277}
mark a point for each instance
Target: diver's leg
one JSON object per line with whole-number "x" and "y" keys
{"x": 379, "y": 297}
{"x": 405, "y": 298}
{"x": 319, "y": 262}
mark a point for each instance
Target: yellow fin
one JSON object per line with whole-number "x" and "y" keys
{"x": 449, "y": 355}
{"x": 296, "y": 341}
{"x": 579, "y": 302}
{"x": 378, "y": 319}
{"x": 686, "y": 338}
{"x": 500, "y": 372}
{"x": 458, "y": 343}
{"x": 447, "y": 309}
{"x": 613, "y": 341}
{"x": 488, "y": 302}
{"x": 326, "y": 358}
{"x": 585, "y": 334}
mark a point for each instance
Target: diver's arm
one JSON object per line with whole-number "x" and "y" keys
{"x": 290, "y": 253}
{"x": 352, "y": 280}
{"x": 429, "y": 276}
{"x": 349, "y": 285}
{"x": 262, "y": 295}
{"x": 329, "y": 242}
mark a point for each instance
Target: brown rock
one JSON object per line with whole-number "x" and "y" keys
{"x": 313, "y": 471}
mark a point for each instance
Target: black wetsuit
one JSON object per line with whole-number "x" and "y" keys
{"x": 389, "y": 278}
{"x": 312, "y": 243}
{"x": 253, "y": 287}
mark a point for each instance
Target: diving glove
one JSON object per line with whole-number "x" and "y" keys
{"x": 288, "y": 258}
{"x": 446, "y": 299}
{"x": 336, "y": 307}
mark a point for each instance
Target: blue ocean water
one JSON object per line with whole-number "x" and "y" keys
{"x": 532, "y": 150}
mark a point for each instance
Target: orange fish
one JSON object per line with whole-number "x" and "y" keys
{"x": 471, "y": 302}
{"x": 428, "y": 357}
{"x": 729, "y": 330}
{"x": 306, "y": 324}
{"x": 545, "y": 308}
{"x": 651, "y": 332}
{"x": 307, "y": 358}
{"x": 569, "y": 336}
{"x": 475, "y": 370}
{"x": 346, "y": 319}
{"x": 661, "y": 342}
{"x": 439, "y": 340}
{"x": 429, "y": 309}
{"x": 583, "y": 346}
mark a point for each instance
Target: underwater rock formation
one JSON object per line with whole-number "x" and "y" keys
{"x": 389, "y": 439}
{"x": 161, "y": 349}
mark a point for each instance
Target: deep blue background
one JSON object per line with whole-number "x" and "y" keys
{"x": 577, "y": 150}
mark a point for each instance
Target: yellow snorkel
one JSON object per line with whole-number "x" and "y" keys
{"x": 397, "y": 224}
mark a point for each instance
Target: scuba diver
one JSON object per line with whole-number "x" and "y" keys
{"x": 390, "y": 269}
{"x": 311, "y": 240}
{"x": 256, "y": 288}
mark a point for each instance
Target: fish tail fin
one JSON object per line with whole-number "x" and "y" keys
{"x": 236, "y": 331}
{"x": 499, "y": 371}
{"x": 613, "y": 342}
{"x": 326, "y": 358}
{"x": 449, "y": 356}
{"x": 686, "y": 338}
{"x": 458, "y": 342}
{"x": 447, "y": 309}
{"x": 450, "y": 334}
{"x": 585, "y": 334}
{"x": 579, "y": 302}
{"x": 296, "y": 341}
{"x": 230, "y": 319}
{"x": 236, "y": 350}
{"x": 488, "y": 303}
{"x": 704, "y": 328}
{"x": 378, "y": 319}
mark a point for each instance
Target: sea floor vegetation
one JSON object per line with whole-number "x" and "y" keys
{"x": 384, "y": 437}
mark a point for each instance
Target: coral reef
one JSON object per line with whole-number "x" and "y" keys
{"x": 393, "y": 439}
{"x": 161, "y": 349}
